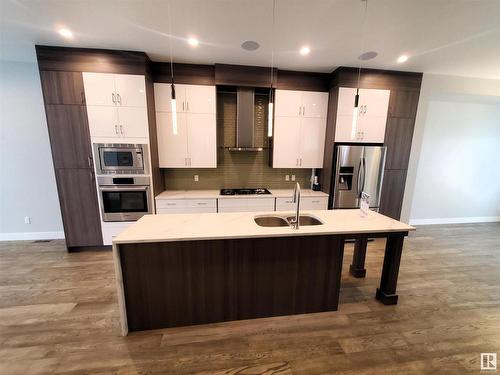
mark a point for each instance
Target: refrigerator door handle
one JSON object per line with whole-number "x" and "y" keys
{"x": 358, "y": 178}
{"x": 364, "y": 174}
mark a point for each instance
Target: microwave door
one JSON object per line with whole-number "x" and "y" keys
{"x": 347, "y": 176}
{"x": 372, "y": 173}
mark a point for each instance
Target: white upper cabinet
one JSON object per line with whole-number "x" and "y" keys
{"x": 286, "y": 142}
{"x": 172, "y": 148}
{"x": 189, "y": 98}
{"x": 116, "y": 105}
{"x": 200, "y": 99}
{"x": 299, "y": 129}
{"x": 130, "y": 90}
{"x": 314, "y": 104}
{"x": 133, "y": 122}
{"x": 372, "y": 115}
{"x": 127, "y": 90}
{"x": 288, "y": 103}
{"x": 195, "y": 145}
{"x": 99, "y": 89}
{"x": 202, "y": 142}
{"x": 103, "y": 121}
{"x": 312, "y": 142}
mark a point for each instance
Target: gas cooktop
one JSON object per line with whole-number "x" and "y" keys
{"x": 257, "y": 191}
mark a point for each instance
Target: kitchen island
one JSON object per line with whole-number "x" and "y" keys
{"x": 175, "y": 270}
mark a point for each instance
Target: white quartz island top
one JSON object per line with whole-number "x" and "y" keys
{"x": 207, "y": 194}
{"x": 212, "y": 226}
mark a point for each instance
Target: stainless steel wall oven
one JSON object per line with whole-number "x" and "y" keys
{"x": 124, "y": 198}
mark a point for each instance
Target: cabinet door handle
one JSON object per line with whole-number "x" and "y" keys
{"x": 364, "y": 110}
{"x": 91, "y": 174}
{"x": 113, "y": 97}
{"x": 82, "y": 95}
{"x": 303, "y": 110}
{"x": 201, "y": 204}
{"x": 300, "y": 162}
{"x": 119, "y": 99}
{"x": 300, "y": 110}
{"x": 182, "y": 106}
{"x": 189, "y": 161}
{"x": 121, "y": 129}
{"x": 89, "y": 161}
{"x": 187, "y": 106}
{"x": 116, "y": 129}
{"x": 185, "y": 162}
{"x": 296, "y": 162}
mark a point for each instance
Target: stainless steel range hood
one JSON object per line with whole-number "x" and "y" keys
{"x": 245, "y": 122}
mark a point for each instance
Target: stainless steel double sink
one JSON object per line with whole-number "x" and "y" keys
{"x": 285, "y": 221}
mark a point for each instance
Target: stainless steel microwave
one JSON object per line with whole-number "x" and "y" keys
{"x": 121, "y": 158}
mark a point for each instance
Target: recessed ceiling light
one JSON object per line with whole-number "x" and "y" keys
{"x": 368, "y": 55}
{"x": 65, "y": 32}
{"x": 250, "y": 45}
{"x": 305, "y": 51}
{"x": 193, "y": 42}
{"x": 402, "y": 59}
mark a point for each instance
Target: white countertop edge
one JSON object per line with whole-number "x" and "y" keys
{"x": 291, "y": 234}
{"x": 217, "y": 226}
{"x": 215, "y": 194}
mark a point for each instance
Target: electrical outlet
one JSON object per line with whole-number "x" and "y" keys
{"x": 293, "y": 177}
{"x": 196, "y": 178}
{"x": 27, "y": 220}
{"x": 287, "y": 177}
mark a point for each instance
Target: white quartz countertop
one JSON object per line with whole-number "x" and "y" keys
{"x": 207, "y": 194}
{"x": 211, "y": 226}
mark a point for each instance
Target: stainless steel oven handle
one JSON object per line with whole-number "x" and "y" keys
{"x": 123, "y": 187}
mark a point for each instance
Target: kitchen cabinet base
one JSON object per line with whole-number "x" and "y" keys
{"x": 169, "y": 284}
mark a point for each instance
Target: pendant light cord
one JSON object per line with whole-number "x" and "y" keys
{"x": 272, "y": 51}
{"x": 170, "y": 41}
{"x": 362, "y": 46}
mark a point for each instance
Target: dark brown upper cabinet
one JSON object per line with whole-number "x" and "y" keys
{"x": 403, "y": 103}
{"x": 398, "y": 139}
{"x": 79, "y": 207}
{"x": 69, "y": 136}
{"x": 62, "y": 87}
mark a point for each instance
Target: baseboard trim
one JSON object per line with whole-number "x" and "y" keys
{"x": 455, "y": 220}
{"x": 30, "y": 236}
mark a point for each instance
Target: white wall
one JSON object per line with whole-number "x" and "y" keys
{"x": 27, "y": 182}
{"x": 453, "y": 175}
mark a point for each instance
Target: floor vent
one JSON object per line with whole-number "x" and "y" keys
{"x": 41, "y": 241}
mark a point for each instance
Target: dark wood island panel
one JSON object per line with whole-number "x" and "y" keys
{"x": 168, "y": 284}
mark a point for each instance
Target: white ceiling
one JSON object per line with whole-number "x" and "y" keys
{"x": 457, "y": 37}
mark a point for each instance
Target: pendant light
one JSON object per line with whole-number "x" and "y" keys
{"x": 355, "y": 111}
{"x": 270, "y": 110}
{"x": 173, "y": 103}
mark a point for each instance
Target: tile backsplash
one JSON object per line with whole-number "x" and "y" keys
{"x": 240, "y": 169}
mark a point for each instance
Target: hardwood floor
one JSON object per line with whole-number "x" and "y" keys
{"x": 59, "y": 314}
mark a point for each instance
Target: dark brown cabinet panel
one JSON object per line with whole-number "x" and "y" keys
{"x": 69, "y": 136}
{"x": 62, "y": 87}
{"x": 403, "y": 103}
{"x": 393, "y": 188}
{"x": 398, "y": 136}
{"x": 79, "y": 207}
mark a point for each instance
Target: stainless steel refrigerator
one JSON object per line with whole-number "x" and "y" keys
{"x": 357, "y": 169}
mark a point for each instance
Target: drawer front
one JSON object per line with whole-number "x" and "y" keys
{"x": 185, "y": 203}
{"x": 186, "y": 210}
{"x": 285, "y": 204}
{"x": 314, "y": 203}
{"x": 246, "y": 204}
